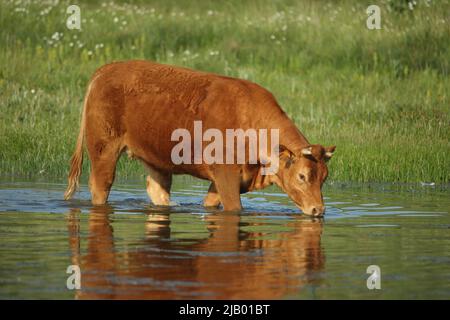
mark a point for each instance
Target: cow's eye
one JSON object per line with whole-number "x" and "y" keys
{"x": 302, "y": 177}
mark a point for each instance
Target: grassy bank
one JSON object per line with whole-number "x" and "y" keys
{"x": 382, "y": 96}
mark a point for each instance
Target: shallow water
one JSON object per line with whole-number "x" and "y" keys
{"x": 133, "y": 250}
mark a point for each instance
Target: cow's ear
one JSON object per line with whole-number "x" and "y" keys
{"x": 329, "y": 152}
{"x": 286, "y": 155}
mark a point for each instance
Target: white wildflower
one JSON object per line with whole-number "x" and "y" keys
{"x": 56, "y": 36}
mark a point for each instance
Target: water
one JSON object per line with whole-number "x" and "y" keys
{"x": 133, "y": 250}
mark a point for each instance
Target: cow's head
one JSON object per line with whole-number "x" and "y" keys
{"x": 302, "y": 174}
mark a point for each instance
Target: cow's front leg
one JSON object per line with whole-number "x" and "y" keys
{"x": 212, "y": 199}
{"x": 227, "y": 180}
{"x": 158, "y": 187}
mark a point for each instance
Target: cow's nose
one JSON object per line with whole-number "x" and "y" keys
{"x": 317, "y": 211}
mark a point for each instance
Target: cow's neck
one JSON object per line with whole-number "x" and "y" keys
{"x": 290, "y": 135}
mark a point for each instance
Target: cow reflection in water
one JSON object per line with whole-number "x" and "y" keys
{"x": 229, "y": 264}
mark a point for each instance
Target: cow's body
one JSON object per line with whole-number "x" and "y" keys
{"x": 135, "y": 106}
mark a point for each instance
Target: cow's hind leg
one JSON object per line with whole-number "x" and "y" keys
{"x": 103, "y": 158}
{"x": 158, "y": 187}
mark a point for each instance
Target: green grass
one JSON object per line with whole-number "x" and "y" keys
{"x": 382, "y": 96}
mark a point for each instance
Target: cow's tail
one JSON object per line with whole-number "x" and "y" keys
{"x": 76, "y": 161}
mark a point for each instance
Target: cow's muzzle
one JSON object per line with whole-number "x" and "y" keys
{"x": 315, "y": 211}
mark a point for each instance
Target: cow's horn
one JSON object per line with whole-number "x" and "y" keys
{"x": 307, "y": 151}
{"x": 328, "y": 154}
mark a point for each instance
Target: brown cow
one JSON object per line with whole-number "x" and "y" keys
{"x": 135, "y": 106}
